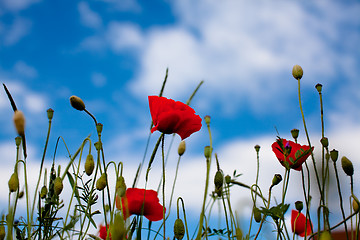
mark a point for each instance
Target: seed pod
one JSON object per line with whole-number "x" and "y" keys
{"x": 181, "y": 148}
{"x": 13, "y": 182}
{"x": 179, "y": 229}
{"x": 347, "y": 166}
{"x": 21, "y": 194}
{"x": 325, "y": 236}
{"x": 50, "y": 113}
{"x": 101, "y": 182}
{"x": 334, "y": 155}
{"x": 318, "y": 87}
{"x": 19, "y": 121}
{"x": 257, "y": 214}
{"x": 295, "y": 133}
{"x": 207, "y": 152}
{"x": 227, "y": 179}
{"x": 89, "y": 164}
{"x": 43, "y": 192}
{"x": 77, "y": 103}
{"x": 297, "y": 72}
{"x": 299, "y": 205}
{"x": 325, "y": 142}
{"x": 58, "y": 186}
{"x": 207, "y": 119}
{"x": 257, "y": 148}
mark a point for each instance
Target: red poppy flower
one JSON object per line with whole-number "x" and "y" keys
{"x": 299, "y": 225}
{"x": 291, "y": 154}
{"x": 141, "y": 202}
{"x": 103, "y": 232}
{"x": 171, "y": 116}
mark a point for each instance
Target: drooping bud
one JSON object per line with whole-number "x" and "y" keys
{"x": 355, "y": 205}
{"x": 219, "y": 179}
{"x": 13, "y": 182}
{"x": 318, "y": 87}
{"x": 276, "y": 179}
{"x": 257, "y": 214}
{"x": 295, "y": 133}
{"x": 227, "y": 179}
{"x": 19, "y": 121}
{"x": 334, "y": 154}
{"x": 257, "y": 148}
{"x": 181, "y": 148}
{"x": 58, "y": 186}
{"x": 325, "y": 142}
{"x": 89, "y": 164}
{"x": 179, "y": 229}
{"x": 207, "y": 152}
{"x": 21, "y": 194}
{"x": 297, "y": 72}
{"x": 50, "y": 113}
{"x": 207, "y": 119}
{"x": 120, "y": 186}
{"x": 299, "y": 205}
{"x": 101, "y": 182}
{"x": 43, "y": 192}
{"x": 347, "y": 166}
{"x": 77, "y": 103}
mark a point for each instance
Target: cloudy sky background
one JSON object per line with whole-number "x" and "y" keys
{"x": 113, "y": 54}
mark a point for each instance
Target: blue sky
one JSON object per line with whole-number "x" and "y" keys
{"x": 113, "y": 54}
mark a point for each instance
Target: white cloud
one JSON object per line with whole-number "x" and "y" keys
{"x": 17, "y": 5}
{"x": 98, "y": 79}
{"x": 88, "y": 17}
{"x": 15, "y": 32}
{"x": 124, "y": 36}
{"x": 24, "y": 69}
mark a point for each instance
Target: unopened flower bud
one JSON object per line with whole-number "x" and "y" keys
{"x": 297, "y": 72}
{"x": 227, "y": 179}
{"x": 181, "y": 148}
{"x": 257, "y": 148}
{"x": 355, "y": 205}
{"x": 207, "y": 152}
{"x": 120, "y": 186}
{"x": 318, "y": 87}
{"x": 2, "y": 232}
{"x": 50, "y": 113}
{"x": 99, "y": 127}
{"x": 347, "y": 166}
{"x": 334, "y": 154}
{"x": 19, "y": 121}
{"x": 58, "y": 186}
{"x": 118, "y": 228}
{"x": 179, "y": 229}
{"x": 325, "y": 236}
{"x": 21, "y": 194}
{"x": 295, "y": 133}
{"x": 207, "y": 119}
{"x": 219, "y": 179}
{"x": 101, "y": 182}
{"x": 257, "y": 214}
{"x": 43, "y": 192}
{"x": 89, "y": 164}
{"x": 299, "y": 205}
{"x": 18, "y": 141}
{"x": 325, "y": 142}
{"x": 13, "y": 182}
{"x": 77, "y": 103}
{"x": 277, "y": 179}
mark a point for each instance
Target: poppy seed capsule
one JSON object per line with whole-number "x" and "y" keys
{"x": 50, "y": 113}
{"x": 257, "y": 148}
{"x": 295, "y": 133}
{"x": 21, "y": 194}
{"x": 318, "y": 87}
{"x": 347, "y": 166}
{"x": 89, "y": 164}
{"x": 299, "y": 205}
{"x": 179, "y": 229}
{"x": 297, "y": 72}
{"x": 227, "y": 179}
{"x": 19, "y": 121}
{"x": 181, "y": 148}
{"x": 257, "y": 214}
{"x": 334, "y": 154}
{"x": 58, "y": 186}
{"x": 13, "y": 182}
{"x": 207, "y": 152}
{"x": 218, "y": 179}
{"x": 325, "y": 142}
{"x": 43, "y": 192}
{"x": 101, "y": 182}
{"x": 77, "y": 103}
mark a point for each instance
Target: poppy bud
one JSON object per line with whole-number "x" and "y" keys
{"x": 19, "y": 121}
{"x": 21, "y": 194}
{"x": 325, "y": 236}
{"x": 77, "y": 103}
{"x": 58, "y": 186}
{"x": 334, "y": 155}
{"x": 89, "y": 164}
{"x": 227, "y": 179}
{"x": 43, "y": 192}
{"x": 99, "y": 128}
{"x": 50, "y": 113}
{"x": 2, "y": 232}
{"x": 355, "y": 205}
{"x": 107, "y": 208}
{"x": 207, "y": 119}
{"x": 318, "y": 87}
{"x": 257, "y": 214}
{"x": 101, "y": 182}
{"x": 118, "y": 229}
{"x": 218, "y": 179}
{"x": 297, "y": 72}
{"x": 179, "y": 229}
{"x": 13, "y": 182}
{"x": 299, "y": 205}
{"x": 120, "y": 186}
{"x": 325, "y": 142}
{"x": 295, "y": 133}
{"x": 207, "y": 152}
{"x": 347, "y": 166}
{"x": 277, "y": 179}
{"x": 257, "y": 148}
{"x": 18, "y": 141}
{"x": 181, "y": 148}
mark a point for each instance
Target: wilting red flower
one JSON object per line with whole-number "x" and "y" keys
{"x": 141, "y": 202}
{"x": 103, "y": 232}
{"x": 171, "y": 116}
{"x": 299, "y": 224}
{"x": 291, "y": 154}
